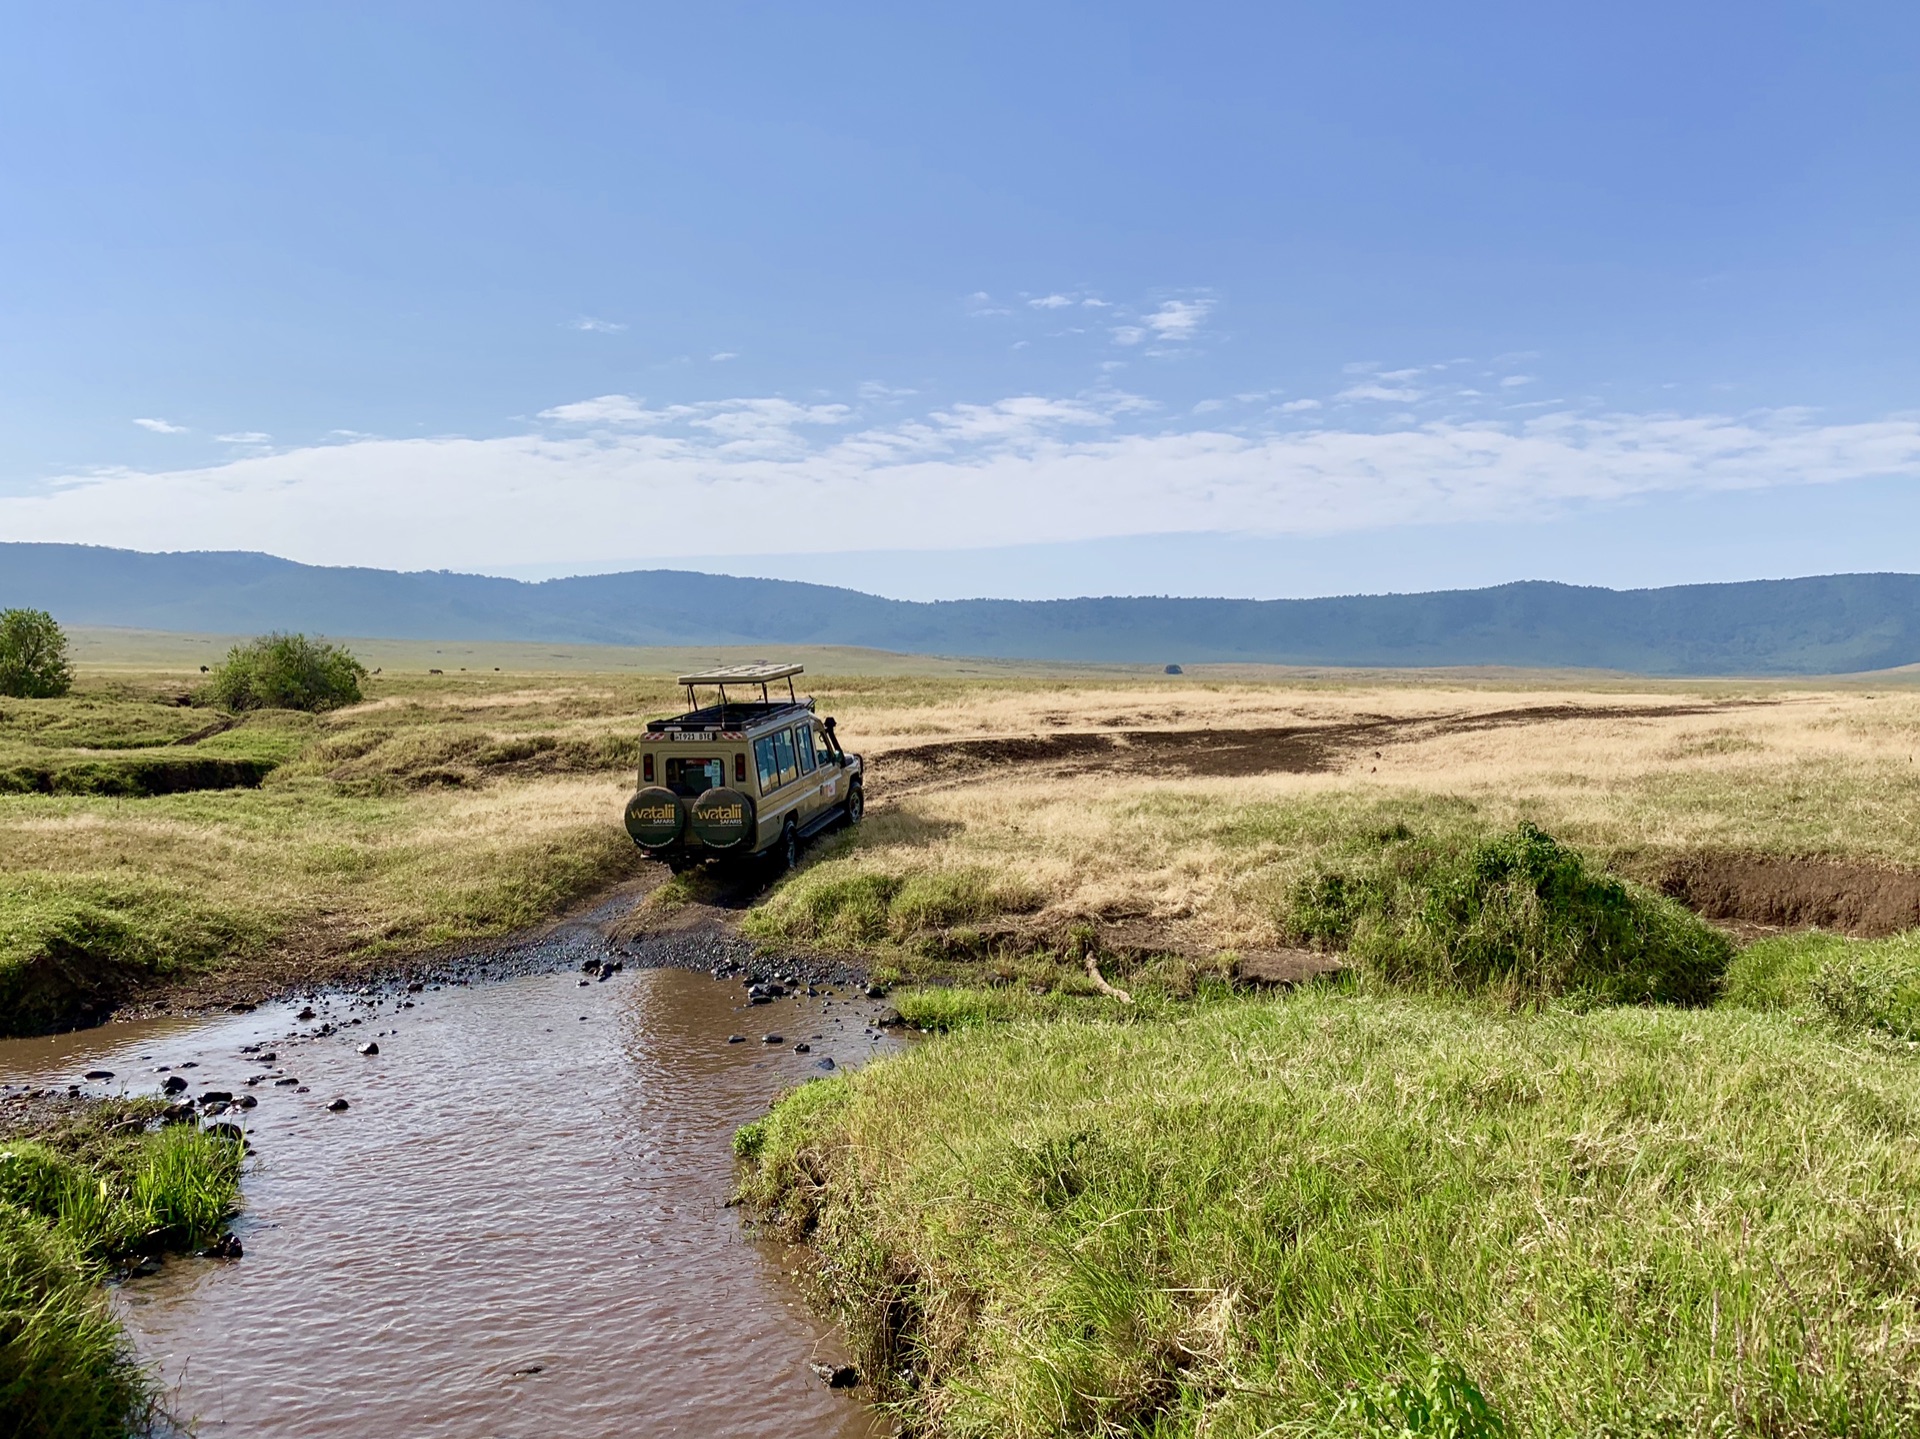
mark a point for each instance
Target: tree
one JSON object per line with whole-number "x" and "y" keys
{"x": 288, "y": 672}
{"x": 33, "y": 656}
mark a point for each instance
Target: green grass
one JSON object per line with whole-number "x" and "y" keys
{"x": 1854, "y": 983}
{"x": 68, "y": 1206}
{"x": 71, "y": 946}
{"x": 1354, "y": 1212}
{"x": 835, "y": 907}
{"x": 1517, "y": 914}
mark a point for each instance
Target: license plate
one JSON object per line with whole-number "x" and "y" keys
{"x": 696, "y": 735}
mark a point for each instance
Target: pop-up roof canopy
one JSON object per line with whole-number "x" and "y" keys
{"x": 743, "y": 674}
{"x": 762, "y": 675}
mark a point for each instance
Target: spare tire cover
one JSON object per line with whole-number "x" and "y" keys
{"x": 723, "y": 819}
{"x": 655, "y": 817}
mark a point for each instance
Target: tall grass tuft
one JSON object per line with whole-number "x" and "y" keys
{"x": 1517, "y": 914}
{"x": 65, "y": 1210}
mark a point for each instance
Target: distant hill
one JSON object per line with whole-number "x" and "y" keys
{"x": 1825, "y": 625}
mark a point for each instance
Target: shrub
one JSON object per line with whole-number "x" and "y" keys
{"x": 289, "y": 672}
{"x": 33, "y": 656}
{"x": 1873, "y": 984}
{"x": 1517, "y": 913}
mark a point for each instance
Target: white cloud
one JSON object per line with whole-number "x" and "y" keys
{"x": 1050, "y": 302}
{"x": 1295, "y": 407}
{"x": 720, "y": 356}
{"x": 161, "y": 427}
{"x": 1514, "y": 381}
{"x": 244, "y": 437}
{"x": 780, "y": 476}
{"x": 1399, "y": 395}
{"x": 1095, "y": 304}
{"x": 1128, "y": 334}
{"x": 1178, "y": 319}
{"x": 598, "y": 327}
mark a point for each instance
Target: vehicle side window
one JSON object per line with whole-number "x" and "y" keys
{"x": 783, "y": 750}
{"x": 768, "y": 766}
{"x": 821, "y": 748}
{"x": 803, "y": 742}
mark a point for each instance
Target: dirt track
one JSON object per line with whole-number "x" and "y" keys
{"x": 1217, "y": 753}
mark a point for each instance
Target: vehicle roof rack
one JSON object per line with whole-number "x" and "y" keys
{"x": 762, "y": 675}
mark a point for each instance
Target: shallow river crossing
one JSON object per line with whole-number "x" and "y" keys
{"x": 517, "y": 1228}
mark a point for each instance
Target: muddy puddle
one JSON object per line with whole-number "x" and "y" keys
{"x": 517, "y": 1228}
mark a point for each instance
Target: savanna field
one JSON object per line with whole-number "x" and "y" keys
{"x": 1604, "y": 1124}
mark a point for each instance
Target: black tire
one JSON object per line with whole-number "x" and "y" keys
{"x": 856, "y": 803}
{"x": 787, "y": 853}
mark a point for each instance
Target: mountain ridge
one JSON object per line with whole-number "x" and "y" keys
{"x": 1821, "y": 624}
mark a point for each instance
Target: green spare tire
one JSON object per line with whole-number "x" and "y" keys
{"x": 655, "y": 817}
{"x": 723, "y": 819}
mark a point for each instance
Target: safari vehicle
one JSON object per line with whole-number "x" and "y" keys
{"x": 741, "y": 778}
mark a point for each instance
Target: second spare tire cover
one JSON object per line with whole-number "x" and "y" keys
{"x": 723, "y": 819}
{"x": 655, "y": 817}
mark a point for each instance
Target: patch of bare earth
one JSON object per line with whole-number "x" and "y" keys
{"x": 1770, "y": 892}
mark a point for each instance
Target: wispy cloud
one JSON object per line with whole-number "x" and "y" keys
{"x": 161, "y": 427}
{"x": 1051, "y": 302}
{"x": 722, "y": 356}
{"x": 1178, "y": 320}
{"x": 1399, "y": 395}
{"x": 786, "y": 475}
{"x": 1128, "y": 334}
{"x": 244, "y": 437}
{"x": 598, "y": 327}
{"x": 1296, "y": 407}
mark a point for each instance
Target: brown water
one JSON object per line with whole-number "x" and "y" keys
{"x": 517, "y": 1229}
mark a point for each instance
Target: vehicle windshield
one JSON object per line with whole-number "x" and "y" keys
{"x": 694, "y": 777}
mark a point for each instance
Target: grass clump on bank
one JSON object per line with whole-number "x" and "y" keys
{"x": 70, "y": 1204}
{"x": 69, "y": 949}
{"x": 1336, "y": 1213}
{"x": 1851, "y": 982}
{"x": 853, "y": 908}
{"x": 1517, "y": 914}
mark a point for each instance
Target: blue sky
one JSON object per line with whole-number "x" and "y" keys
{"x": 1025, "y": 300}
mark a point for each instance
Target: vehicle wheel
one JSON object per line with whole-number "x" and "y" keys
{"x": 856, "y": 803}
{"x": 681, "y": 863}
{"x": 789, "y": 850}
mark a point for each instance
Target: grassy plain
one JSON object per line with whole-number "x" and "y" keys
{"x": 1466, "y": 1170}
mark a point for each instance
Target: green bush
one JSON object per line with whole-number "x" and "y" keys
{"x": 33, "y": 655}
{"x": 1518, "y": 914}
{"x": 288, "y": 672}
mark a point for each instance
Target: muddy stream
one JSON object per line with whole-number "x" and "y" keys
{"x": 517, "y": 1228}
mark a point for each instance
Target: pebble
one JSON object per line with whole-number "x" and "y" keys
{"x": 306, "y": 1013}
{"x": 836, "y": 1376}
{"x": 802, "y": 1047}
{"x": 217, "y": 1096}
{"x": 736, "y": 1039}
{"x": 826, "y": 1063}
{"x": 99, "y": 1074}
{"x": 286, "y": 1083}
{"x": 338, "y": 1106}
{"x": 369, "y": 1048}
{"x": 773, "y": 1039}
{"x": 227, "y": 1246}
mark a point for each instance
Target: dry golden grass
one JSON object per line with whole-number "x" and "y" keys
{"x": 1810, "y": 773}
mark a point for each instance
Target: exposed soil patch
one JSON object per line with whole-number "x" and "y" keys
{"x": 1783, "y": 892}
{"x": 1222, "y": 753}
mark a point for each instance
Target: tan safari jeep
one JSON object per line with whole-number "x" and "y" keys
{"x": 741, "y": 778}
